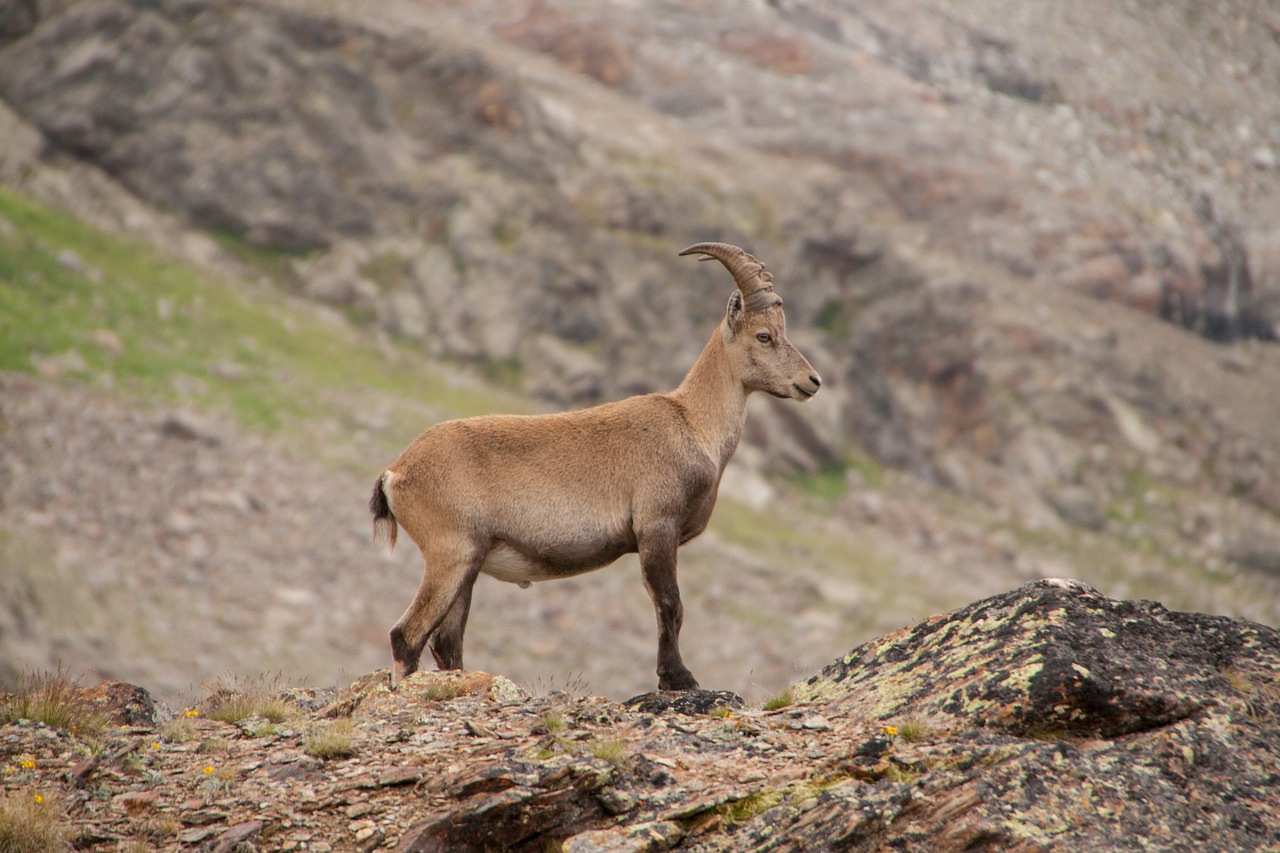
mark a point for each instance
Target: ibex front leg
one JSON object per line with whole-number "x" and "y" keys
{"x": 658, "y": 563}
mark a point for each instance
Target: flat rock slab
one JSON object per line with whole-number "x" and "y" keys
{"x": 691, "y": 703}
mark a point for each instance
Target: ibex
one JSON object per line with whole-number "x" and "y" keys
{"x": 527, "y": 498}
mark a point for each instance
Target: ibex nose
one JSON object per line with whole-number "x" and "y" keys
{"x": 816, "y": 380}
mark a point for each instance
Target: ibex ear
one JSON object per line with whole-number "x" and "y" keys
{"x": 733, "y": 314}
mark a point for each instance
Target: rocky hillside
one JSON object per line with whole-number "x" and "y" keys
{"x": 1032, "y": 250}
{"x": 1046, "y": 718}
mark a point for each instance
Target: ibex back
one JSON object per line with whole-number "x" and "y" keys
{"x": 527, "y": 498}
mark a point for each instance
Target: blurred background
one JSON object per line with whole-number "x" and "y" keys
{"x": 249, "y": 250}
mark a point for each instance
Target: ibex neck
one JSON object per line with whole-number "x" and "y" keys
{"x": 714, "y": 400}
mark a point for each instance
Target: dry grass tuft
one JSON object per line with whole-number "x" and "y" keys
{"x": 336, "y": 740}
{"x": 613, "y": 750}
{"x": 52, "y": 698}
{"x": 249, "y": 697}
{"x": 31, "y": 822}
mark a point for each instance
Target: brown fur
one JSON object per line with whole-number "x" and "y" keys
{"x": 538, "y": 497}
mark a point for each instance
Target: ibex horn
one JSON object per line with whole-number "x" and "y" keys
{"x": 753, "y": 280}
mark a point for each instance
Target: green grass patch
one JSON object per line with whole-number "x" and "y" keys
{"x": 503, "y": 372}
{"x": 780, "y": 700}
{"x": 828, "y": 483}
{"x": 871, "y": 471}
{"x": 785, "y": 536}
{"x": 832, "y": 481}
{"x": 84, "y": 305}
{"x": 275, "y": 263}
{"x": 388, "y": 271}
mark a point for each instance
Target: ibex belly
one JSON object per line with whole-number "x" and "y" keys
{"x": 508, "y": 564}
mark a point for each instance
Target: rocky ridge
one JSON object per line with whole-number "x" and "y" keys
{"x": 1049, "y": 717}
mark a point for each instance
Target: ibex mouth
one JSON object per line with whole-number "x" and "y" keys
{"x": 802, "y": 394}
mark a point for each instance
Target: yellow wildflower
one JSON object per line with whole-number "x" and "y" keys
{"x": 155, "y": 744}
{"x": 891, "y": 731}
{"x": 208, "y": 770}
{"x": 28, "y": 764}
{"x": 193, "y": 712}
{"x": 39, "y": 799}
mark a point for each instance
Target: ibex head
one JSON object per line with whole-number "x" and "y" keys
{"x": 755, "y": 329}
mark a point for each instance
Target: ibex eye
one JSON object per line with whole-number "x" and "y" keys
{"x": 764, "y": 337}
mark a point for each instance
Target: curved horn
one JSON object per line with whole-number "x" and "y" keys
{"x": 752, "y": 278}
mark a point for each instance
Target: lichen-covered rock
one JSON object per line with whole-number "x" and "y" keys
{"x": 1073, "y": 722}
{"x": 687, "y": 702}
{"x": 1055, "y": 657}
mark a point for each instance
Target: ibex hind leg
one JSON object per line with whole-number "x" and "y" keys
{"x": 450, "y": 570}
{"x": 446, "y": 641}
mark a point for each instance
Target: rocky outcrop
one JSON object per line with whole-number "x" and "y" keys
{"x": 1049, "y": 717}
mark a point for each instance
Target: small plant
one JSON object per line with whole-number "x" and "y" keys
{"x": 722, "y": 712}
{"x": 913, "y": 729}
{"x": 780, "y": 700}
{"x": 613, "y": 750}
{"x": 552, "y": 722}
{"x": 440, "y": 691}
{"x": 337, "y": 740}
{"x": 576, "y": 686}
{"x": 741, "y": 811}
{"x": 218, "y": 781}
{"x": 179, "y": 730}
{"x": 54, "y": 699}
{"x": 258, "y": 697}
{"x": 902, "y": 775}
{"x": 164, "y": 826}
{"x": 32, "y": 823}
{"x": 215, "y": 744}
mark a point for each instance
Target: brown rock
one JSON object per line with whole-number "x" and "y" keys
{"x": 235, "y": 835}
{"x": 138, "y": 801}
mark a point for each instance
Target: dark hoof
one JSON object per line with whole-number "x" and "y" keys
{"x": 678, "y": 681}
